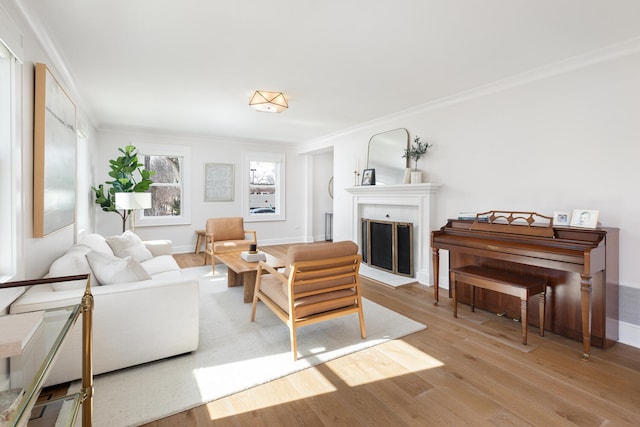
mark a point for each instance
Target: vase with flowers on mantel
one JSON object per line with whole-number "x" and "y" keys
{"x": 415, "y": 152}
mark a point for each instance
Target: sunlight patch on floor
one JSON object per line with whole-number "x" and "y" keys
{"x": 392, "y": 353}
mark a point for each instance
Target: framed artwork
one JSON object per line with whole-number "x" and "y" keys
{"x": 561, "y": 218}
{"x": 54, "y": 155}
{"x": 369, "y": 177}
{"x": 584, "y": 218}
{"x": 218, "y": 182}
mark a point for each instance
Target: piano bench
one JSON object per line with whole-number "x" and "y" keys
{"x": 505, "y": 282}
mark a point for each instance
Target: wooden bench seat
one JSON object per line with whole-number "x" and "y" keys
{"x": 505, "y": 282}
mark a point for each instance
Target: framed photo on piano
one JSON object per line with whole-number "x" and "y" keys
{"x": 584, "y": 218}
{"x": 561, "y": 218}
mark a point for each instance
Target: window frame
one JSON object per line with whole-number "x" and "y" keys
{"x": 169, "y": 150}
{"x": 10, "y": 173}
{"x": 280, "y": 185}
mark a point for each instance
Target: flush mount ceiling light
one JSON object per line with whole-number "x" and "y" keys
{"x": 268, "y": 102}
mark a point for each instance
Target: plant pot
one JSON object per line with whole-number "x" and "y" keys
{"x": 416, "y": 177}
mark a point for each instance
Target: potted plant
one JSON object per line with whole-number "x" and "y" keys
{"x": 415, "y": 152}
{"x": 129, "y": 176}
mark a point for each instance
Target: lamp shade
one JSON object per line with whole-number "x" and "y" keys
{"x": 133, "y": 201}
{"x": 268, "y": 102}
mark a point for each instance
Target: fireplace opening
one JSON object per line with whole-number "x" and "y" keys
{"x": 388, "y": 245}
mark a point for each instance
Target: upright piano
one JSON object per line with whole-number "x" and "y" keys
{"x": 579, "y": 265}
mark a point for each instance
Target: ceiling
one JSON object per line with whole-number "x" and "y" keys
{"x": 189, "y": 67}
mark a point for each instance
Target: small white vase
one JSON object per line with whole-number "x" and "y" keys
{"x": 407, "y": 176}
{"x": 416, "y": 177}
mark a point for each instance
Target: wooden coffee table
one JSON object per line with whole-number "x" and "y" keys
{"x": 241, "y": 272}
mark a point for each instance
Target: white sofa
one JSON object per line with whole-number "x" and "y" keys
{"x": 141, "y": 315}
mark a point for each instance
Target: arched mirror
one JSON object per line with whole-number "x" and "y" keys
{"x": 385, "y": 156}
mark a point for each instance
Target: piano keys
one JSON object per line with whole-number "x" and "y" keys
{"x": 580, "y": 265}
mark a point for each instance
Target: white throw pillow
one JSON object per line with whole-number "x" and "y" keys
{"x": 110, "y": 270}
{"x": 96, "y": 242}
{"x": 129, "y": 244}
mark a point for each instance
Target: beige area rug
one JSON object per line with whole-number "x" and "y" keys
{"x": 234, "y": 354}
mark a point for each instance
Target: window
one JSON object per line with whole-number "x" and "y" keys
{"x": 8, "y": 172}
{"x": 170, "y": 191}
{"x": 264, "y": 194}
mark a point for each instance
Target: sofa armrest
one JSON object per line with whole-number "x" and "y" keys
{"x": 159, "y": 247}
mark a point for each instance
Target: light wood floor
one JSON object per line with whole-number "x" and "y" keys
{"x": 466, "y": 371}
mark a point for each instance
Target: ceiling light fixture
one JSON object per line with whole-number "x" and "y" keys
{"x": 268, "y": 102}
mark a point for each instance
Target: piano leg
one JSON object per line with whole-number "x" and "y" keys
{"x": 585, "y": 296}
{"x": 541, "y": 310}
{"x": 524, "y": 319}
{"x": 436, "y": 273}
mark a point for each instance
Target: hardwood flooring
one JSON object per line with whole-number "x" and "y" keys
{"x": 467, "y": 371}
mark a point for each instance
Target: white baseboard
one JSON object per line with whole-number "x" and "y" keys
{"x": 629, "y": 334}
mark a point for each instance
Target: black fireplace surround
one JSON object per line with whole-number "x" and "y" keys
{"x": 388, "y": 245}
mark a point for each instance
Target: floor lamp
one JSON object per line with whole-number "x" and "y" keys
{"x": 130, "y": 202}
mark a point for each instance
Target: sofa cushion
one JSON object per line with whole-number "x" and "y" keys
{"x": 231, "y": 246}
{"x": 160, "y": 264}
{"x": 71, "y": 263}
{"x": 129, "y": 244}
{"x": 97, "y": 243}
{"x": 110, "y": 270}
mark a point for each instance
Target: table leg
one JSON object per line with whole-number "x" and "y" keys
{"x": 233, "y": 278}
{"x": 249, "y": 285}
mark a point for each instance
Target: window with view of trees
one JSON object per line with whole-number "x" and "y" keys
{"x": 166, "y": 190}
{"x": 169, "y": 191}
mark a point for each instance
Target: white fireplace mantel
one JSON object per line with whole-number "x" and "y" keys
{"x": 412, "y": 196}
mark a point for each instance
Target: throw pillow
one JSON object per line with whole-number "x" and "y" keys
{"x": 129, "y": 244}
{"x": 96, "y": 243}
{"x": 110, "y": 270}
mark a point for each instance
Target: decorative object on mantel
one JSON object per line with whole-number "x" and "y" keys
{"x": 415, "y": 152}
{"x": 369, "y": 177}
{"x": 268, "y": 102}
{"x": 124, "y": 181}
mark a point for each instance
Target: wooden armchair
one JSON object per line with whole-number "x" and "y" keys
{"x": 320, "y": 282}
{"x": 226, "y": 235}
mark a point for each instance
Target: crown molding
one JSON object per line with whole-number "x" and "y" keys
{"x": 605, "y": 54}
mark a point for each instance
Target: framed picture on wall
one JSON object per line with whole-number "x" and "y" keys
{"x": 54, "y": 155}
{"x": 369, "y": 177}
{"x": 585, "y": 218}
{"x": 218, "y": 182}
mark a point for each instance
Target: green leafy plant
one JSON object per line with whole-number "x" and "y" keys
{"x": 129, "y": 176}
{"x": 416, "y": 151}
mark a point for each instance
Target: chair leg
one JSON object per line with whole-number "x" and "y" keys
{"x": 363, "y": 331}
{"x": 294, "y": 345}
{"x": 255, "y": 295}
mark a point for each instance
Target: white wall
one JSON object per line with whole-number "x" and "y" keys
{"x": 35, "y": 255}
{"x": 562, "y": 141}
{"x": 296, "y": 227}
{"x": 322, "y": 201}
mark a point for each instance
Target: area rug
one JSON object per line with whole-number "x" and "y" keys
{"x": 234, "y": 354}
